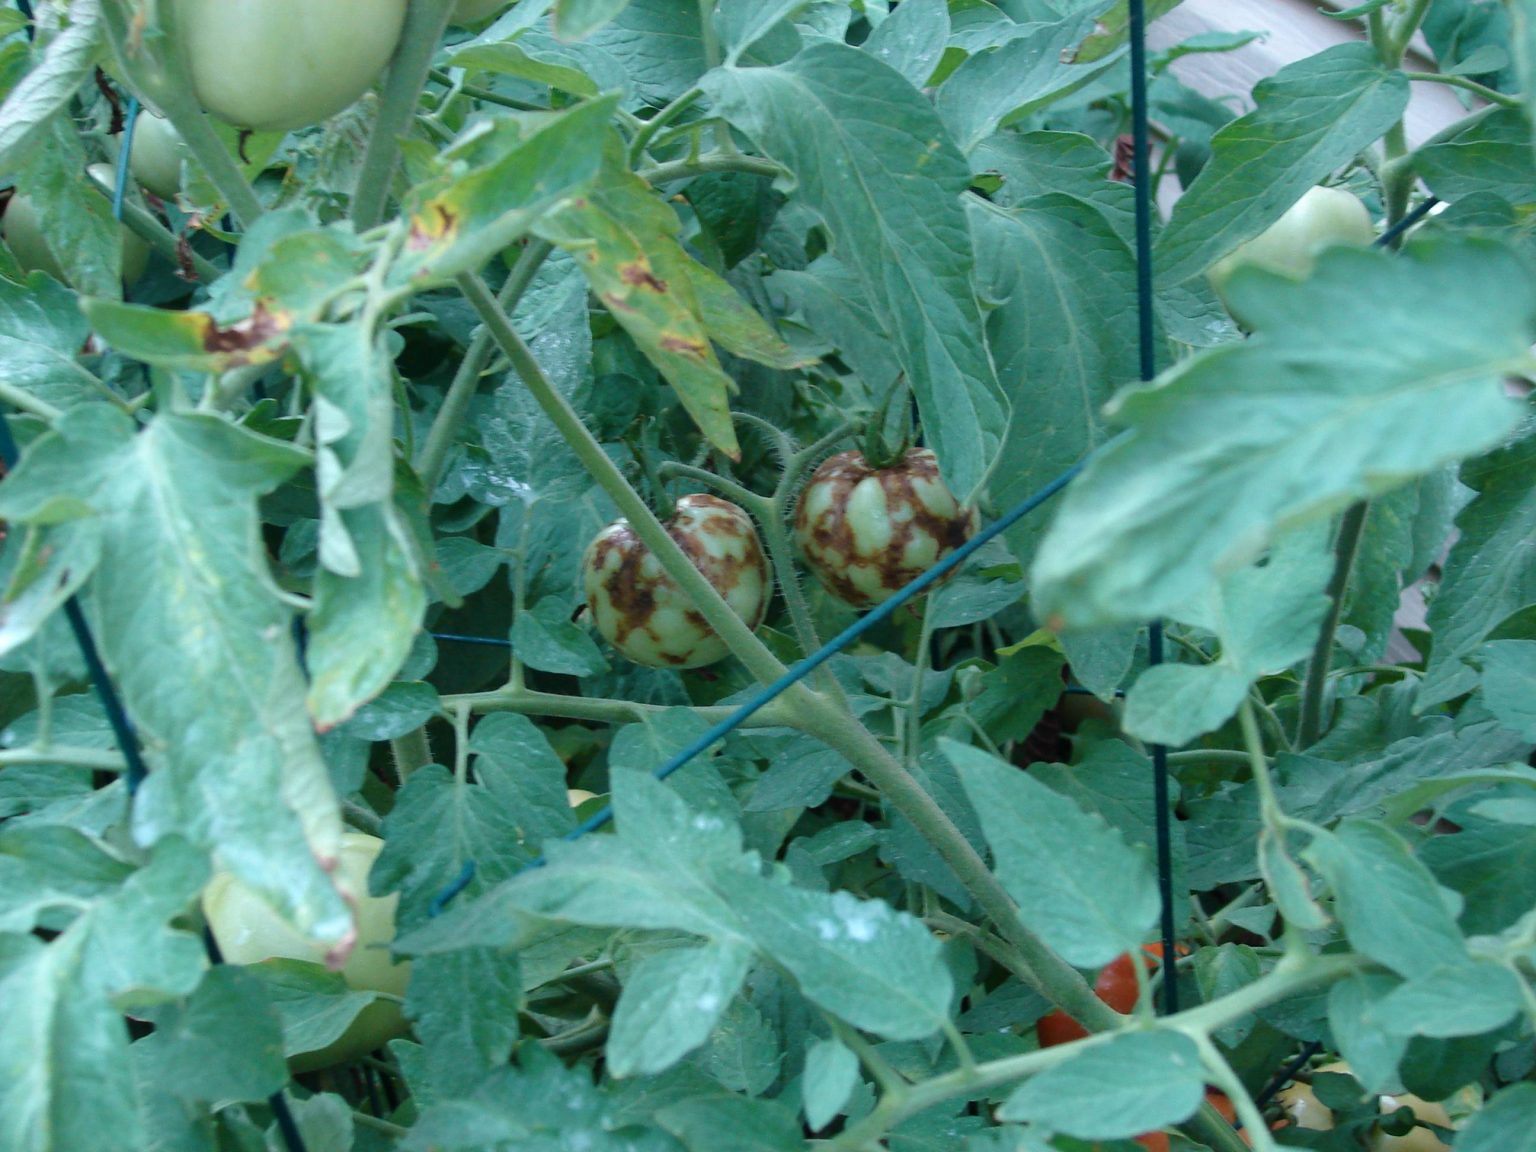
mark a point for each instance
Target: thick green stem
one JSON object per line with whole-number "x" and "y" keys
{"x": 656, "y": 123}
{"x": 530, "y": 703}
{"x": 1492, "y": 95}
{"x": 425, "y": 21}
{"x": 445, "y": 425}
{"x": 410, "y": 752}
{"x": 731, "y": 628}
{"x": 1345, "y": 547}
{"x": 97, "y": 759}
{"x": 710, "y": 41}
{"x": 21, "y": 399}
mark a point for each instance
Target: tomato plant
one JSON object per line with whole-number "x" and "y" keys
{"x": 272, "y": 65}
{"x": 684, "y": 848}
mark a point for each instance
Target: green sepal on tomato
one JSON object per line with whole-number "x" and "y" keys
{"x": 645, "y": 614}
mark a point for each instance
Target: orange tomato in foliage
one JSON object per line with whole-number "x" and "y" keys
{"x": 1115, "y": 986}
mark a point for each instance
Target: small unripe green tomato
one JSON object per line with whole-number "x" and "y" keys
{"x": 155, "y": 158}
{"x": 467, "y": 12}
{"x": 1321, "y": 218}
{"x": 640, "y": 609}
{"x": 274, "y": 65}
{"x": 249, "y": 930}
{"x": 24, "y": 234}
{"x": 866, "y": 532}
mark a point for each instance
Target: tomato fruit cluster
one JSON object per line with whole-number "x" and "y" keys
{"x": 643, "y": 612}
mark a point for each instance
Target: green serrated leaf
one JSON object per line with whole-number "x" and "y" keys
{"x": 190, "y": 593}
{"x": 464, "y": 1008}
{"x": 874, "y": 161}
{"x": 831, "y": 1074}
{"x": 1488, "y": 574}
{"x": 495, "y": 185}
{"x": 877, "y": 968}
{"x": 1387, "y": 901}
{"x": 1088, "y": 895}
{"x": 1125, "y": 1086}
{"x": 1506, "y": 1123}
{"x": 1157, "y": 518}
{"x": 671, "y": 1003}
{"x": 1037, "y": 66}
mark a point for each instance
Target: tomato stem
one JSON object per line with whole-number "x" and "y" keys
{"x": 425, "y": 22}
{"x": 1346, "y": 546}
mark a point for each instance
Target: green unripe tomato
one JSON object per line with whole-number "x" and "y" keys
{"x": 249, "y": 930}
{"x": 273, "y": 65}
{"x": 1321, "y": 218}
{"x": 24, "y": 234}
{"x": 155, "y": 158}
{"x": 640, "y": 609}
{"x": 467, "y": 12}
{"x": 866, "y": 532}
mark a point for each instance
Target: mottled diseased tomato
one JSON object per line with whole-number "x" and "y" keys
{"x": 866, "y": 533}
{"x": 642, "y": 612}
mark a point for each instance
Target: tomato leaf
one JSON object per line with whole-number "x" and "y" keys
{"x": 494, "y": 185}
{"x": 1078, "y": 884}
{"x": 464, "y": 1009}
{"x": 1489, "y": 574}
{"x": 190, "y": 1050}
{"x": 875, "y": 163}
{"x": 671, "y": 1003}
{"x": 497, "y": 822}
{"x": 37, "y": 101}
{"x": 1389, "y": 904}
{"x": 1507, "y": 1123}
{"x": 623, "y": 237}
{"x": 191, "y": 593}
{"x": 1125, "y": 1086}
{"x": 1036, "y": 66}
{"x": 1157, "y": 518}
{"x": 1266, "y": 618}
{"x": 1313, "y": 116}
{"x": 577, "y": 19}
{"x": 1492, "y": 154}
{"x": 831, "y": 1074}
{"x": 41, "y": 333}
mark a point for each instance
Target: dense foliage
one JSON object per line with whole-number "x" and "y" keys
{"x": 318, "y": 485}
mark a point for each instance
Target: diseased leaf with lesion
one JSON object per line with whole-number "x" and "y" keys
{"x": 624, "y": 239}
{"x": 193, "y": 341}
{"x": 493, "y": 185}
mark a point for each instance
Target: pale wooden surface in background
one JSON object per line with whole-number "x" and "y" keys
{"x": 1296, "y": 29}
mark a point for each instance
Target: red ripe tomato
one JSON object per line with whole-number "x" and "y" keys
{"x": 1115, "y": 986}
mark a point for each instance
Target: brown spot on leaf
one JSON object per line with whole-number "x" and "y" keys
{"x": 684, "y": 346}
{"x": 430, "y": 226}
{"x": 637, "y": 273}
{"x": 241, "y": 339}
